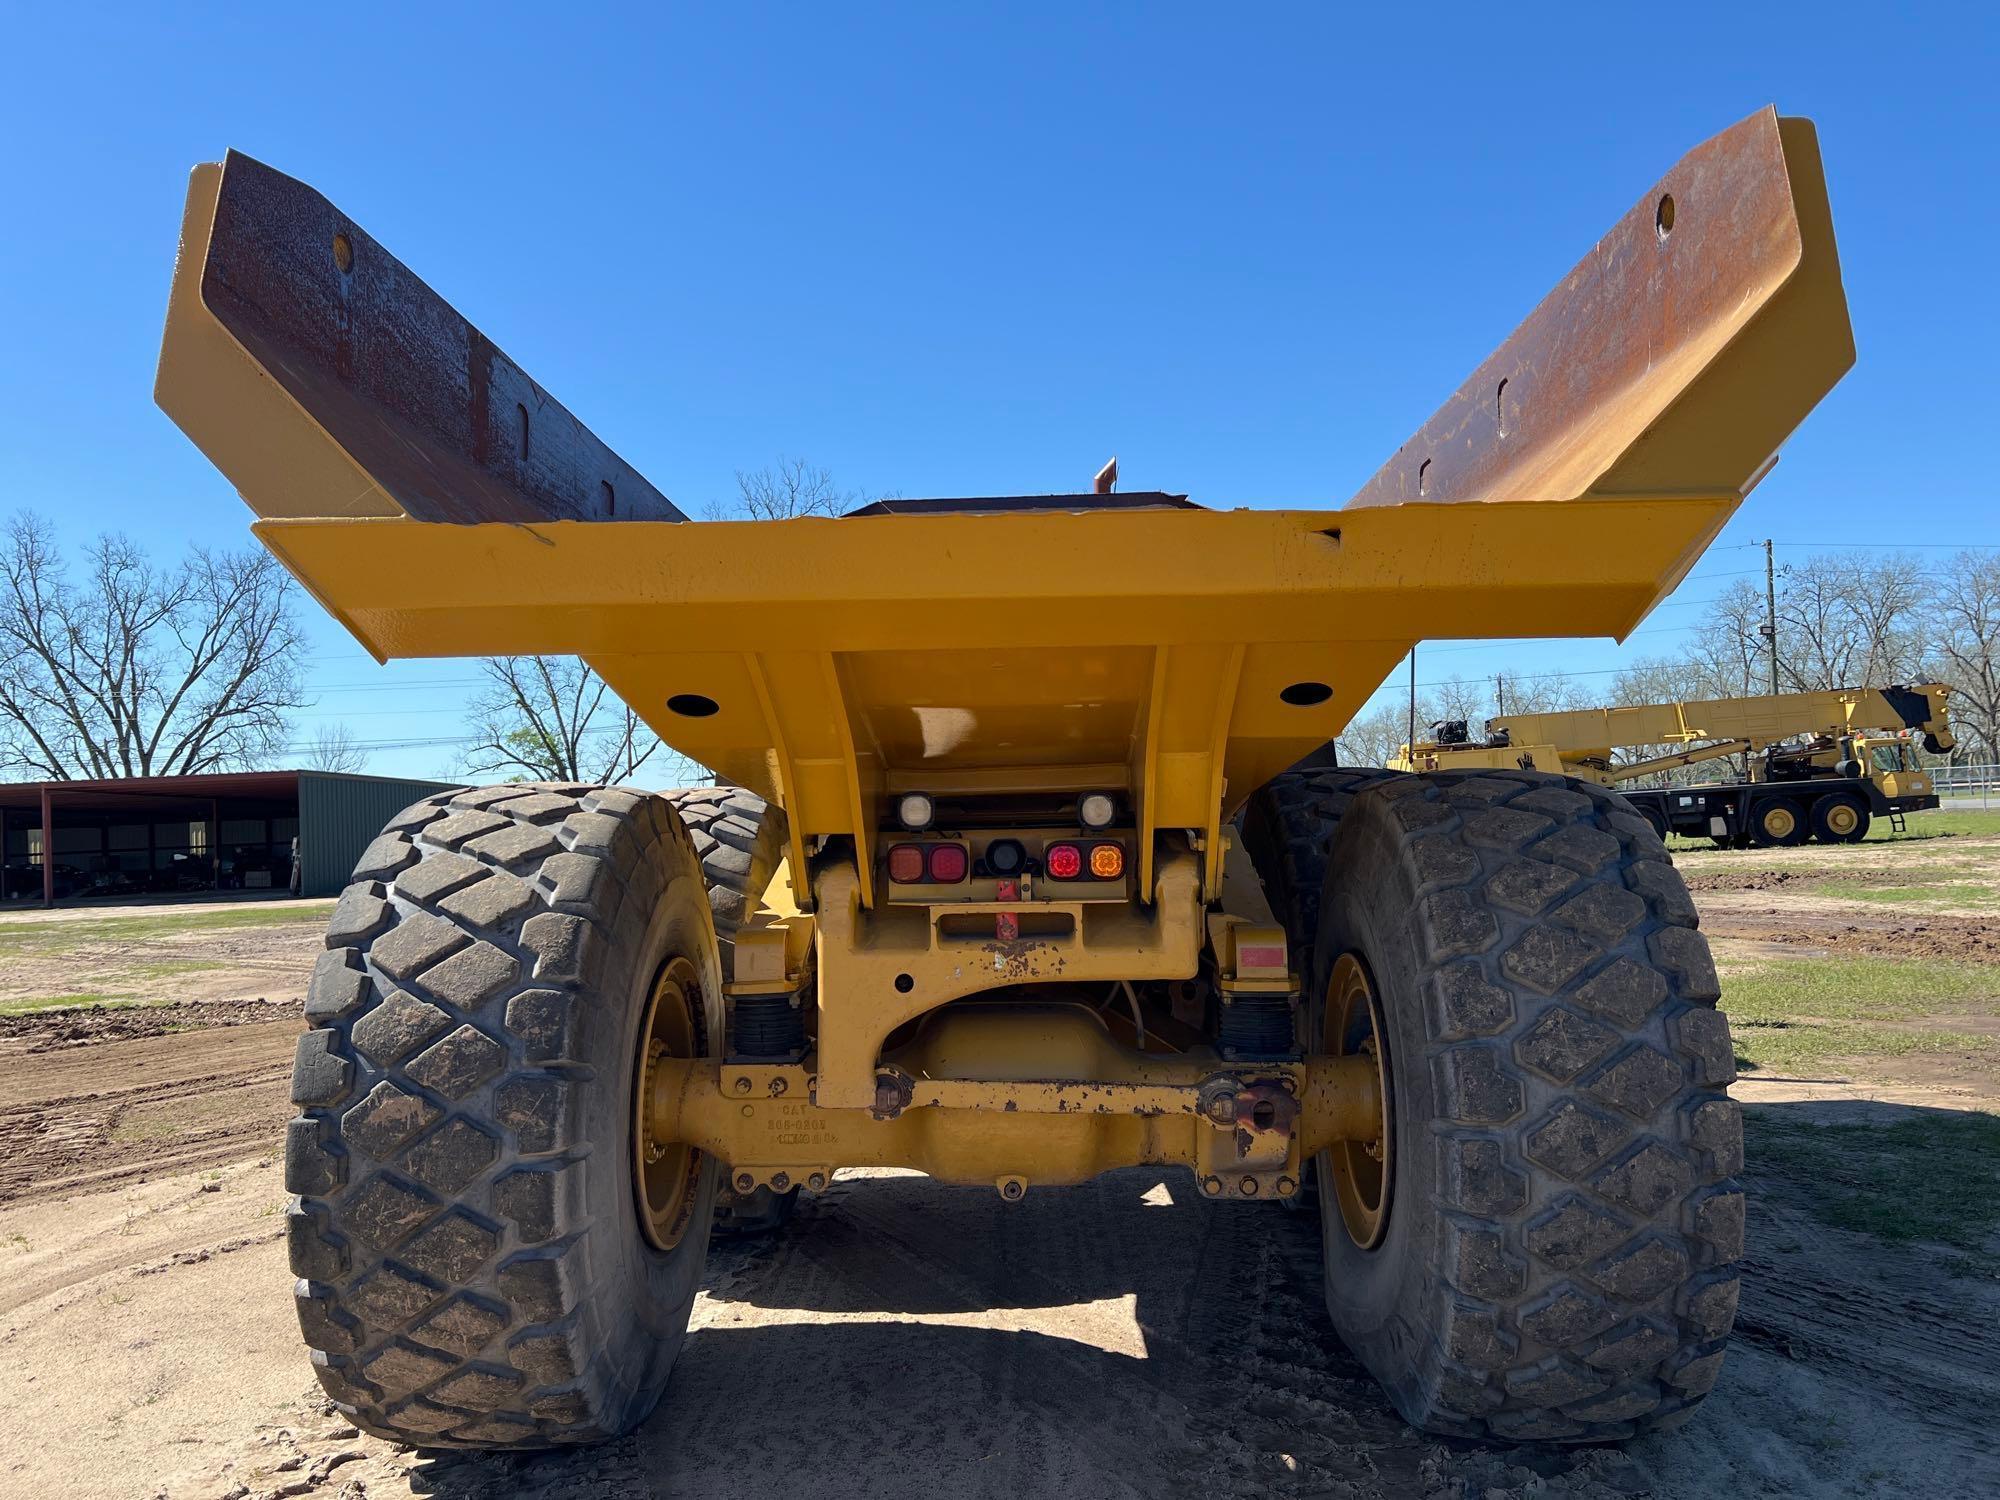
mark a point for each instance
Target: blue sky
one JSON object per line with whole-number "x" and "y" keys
{"x": 945, "y": 250}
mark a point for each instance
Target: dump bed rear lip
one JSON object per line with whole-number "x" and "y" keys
{"x": 1140, "y": 577}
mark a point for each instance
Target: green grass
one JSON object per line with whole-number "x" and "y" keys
{"x": 1932, "y": 825}
{"x": 1798, "y": 1013}
{"x": 1925, "y": 825}
{"x": 1933, "y": 892}
{"x": 47, "y": 937}
{"x": 1856, "y": 989}
{"x": 1802, "y": 1046}
{"x": 52, "y": 1002}
{"x": 1933, "y": 1177}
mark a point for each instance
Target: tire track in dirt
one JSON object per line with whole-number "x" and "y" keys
{"x": 1105, "y": 1340}
{"x": 136, "y": 1108}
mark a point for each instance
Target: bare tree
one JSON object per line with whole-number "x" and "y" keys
{"x": 1372, "y": 738}
{"x": 334, "y": 748}
{"x": 779, "y": 492}
{"x": 1967, "y": 624}
{"x": 1455, "y": 699}
{"x": 1849, "y": 622}
{"x": 550, "y": 718}
{"x": 1728, "y": 658}
{"x": 140, "y": 669}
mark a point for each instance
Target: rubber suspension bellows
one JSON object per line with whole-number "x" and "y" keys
{"x": 769, "y": 1026}
{"x": 1257, "y": 1028}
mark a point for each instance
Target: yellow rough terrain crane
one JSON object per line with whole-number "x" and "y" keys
{"x": 1823, "y": 765}
{"x": 1026, "y": 866}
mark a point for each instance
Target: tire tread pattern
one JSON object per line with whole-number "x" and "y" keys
{"x": 1585, "y": 1276}
{"x": 440, "y": 1241}
{"x": 1287, "y": 828}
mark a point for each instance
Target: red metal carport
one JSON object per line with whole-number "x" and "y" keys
{"x": 197, "y": 798}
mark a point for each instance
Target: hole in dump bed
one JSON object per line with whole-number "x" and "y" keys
{"x": 692, "y": 705}
{"x": 1663, "y": 216}
{"x": 521, "y": 415}
{"x": 1500, "y": 407}
{"x": 343, "y": 253}
{"x": 1423, "y": 476}
{"x": 609, "y": 495}
{"x": 1306, "y": 694}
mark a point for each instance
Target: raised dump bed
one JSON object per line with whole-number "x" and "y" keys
{"x": 1009, "y": 879}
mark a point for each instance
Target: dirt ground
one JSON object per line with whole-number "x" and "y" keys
{"x": 1119, "y": 1339}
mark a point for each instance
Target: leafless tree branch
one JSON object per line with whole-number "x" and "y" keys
{"x": 139, "y": 669}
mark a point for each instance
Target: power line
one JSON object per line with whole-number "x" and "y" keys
{"x": 1895, "y": 546}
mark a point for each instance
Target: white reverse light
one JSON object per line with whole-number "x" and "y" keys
{"x": 1096, "y": 810}
{"x": 915, "y": 811}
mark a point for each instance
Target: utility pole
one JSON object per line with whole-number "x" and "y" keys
{"x": 1412, "y": 746}
{"x": 1500, "y": 694}
{"x": 1770, "y": 630}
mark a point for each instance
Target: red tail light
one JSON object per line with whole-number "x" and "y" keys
{"x": 948, "y": 864}
{"x": 906, "y": 864}
{"x": 1063, "y": 861}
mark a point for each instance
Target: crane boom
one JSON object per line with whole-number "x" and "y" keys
{"x": 1592, "y": 734}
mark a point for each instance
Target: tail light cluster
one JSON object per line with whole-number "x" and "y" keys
{"x": 928, "y": 864}
{"x": 1100, "y": 861}
{"x": 949, "y": 864}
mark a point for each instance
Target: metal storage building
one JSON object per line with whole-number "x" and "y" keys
{"x": 149, "y": 836}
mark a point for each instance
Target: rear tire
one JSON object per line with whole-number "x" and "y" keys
{"x": 476, "y": 1267}
{"x": 1840, "y": 819}
{"x": 1556, "y": 1254}
{"x": 1777, "y": 822}
{"x": 1286, "y": 827}
{"x": 740, "y": 839}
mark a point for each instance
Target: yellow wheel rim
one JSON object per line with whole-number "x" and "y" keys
{"x": 1779, "y": 821}
{"x": 667, "y": 1174}
{"x": 1359, "y": 1172}
{"x": 1842, "y": 819}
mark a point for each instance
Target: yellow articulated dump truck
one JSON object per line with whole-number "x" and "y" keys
{"x": 1823, "y": 765}
{"x": 1027, "y": 863}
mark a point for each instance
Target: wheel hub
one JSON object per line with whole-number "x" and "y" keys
{"x": 1360, "y": 1172}
{"x": 666, "y": 1175}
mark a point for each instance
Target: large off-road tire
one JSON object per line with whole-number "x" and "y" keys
{"x": 740, "y": 839}
{"x": 1549, "y": 1248}
{"x": 1286, "y": 828}
{"x": 476, "y": 1266}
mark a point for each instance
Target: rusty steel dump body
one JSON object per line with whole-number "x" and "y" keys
{"x": 438, "y": 502}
